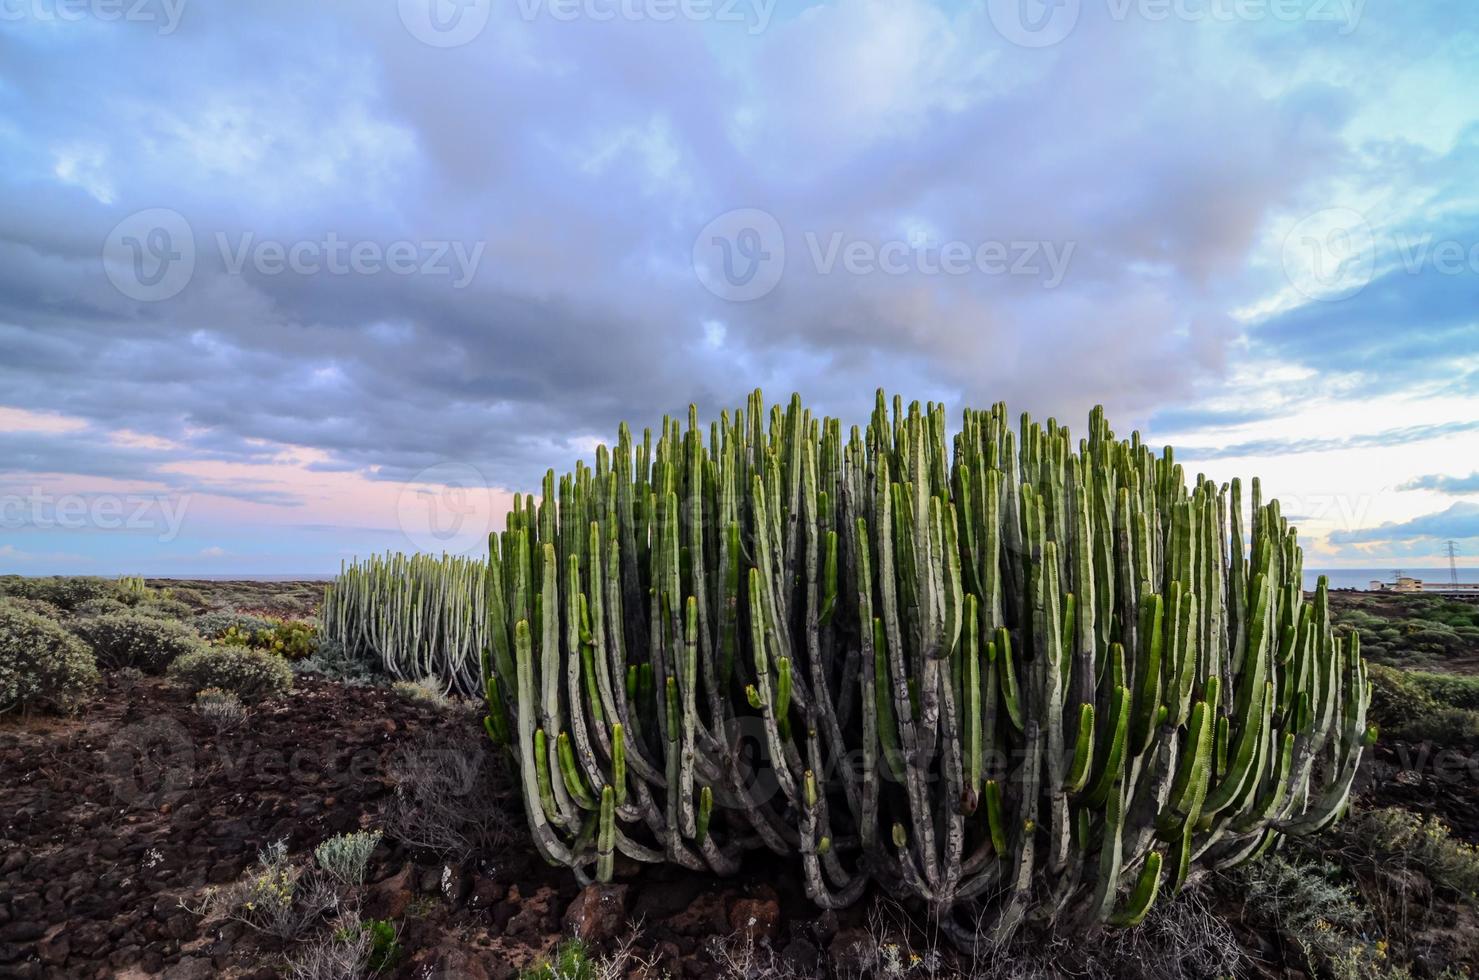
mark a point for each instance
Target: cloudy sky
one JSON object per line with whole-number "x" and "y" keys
{"x": 275, "y": 274}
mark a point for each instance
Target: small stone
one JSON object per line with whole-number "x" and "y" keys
{"x": 21, "y": 932}
{"x": 597, "y": 913}
{"x": 486, "y": 893}
{"x": 53, "y": 952}
{"x": 755, "y": 918}
{"x": 450, "y": 960}
{"x": 191, "y": 968}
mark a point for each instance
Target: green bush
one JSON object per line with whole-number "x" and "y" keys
{"x": 165, "y": 608}
{"x": 571, "y": 960}
{"x": 1392, "y": 833}
{"x": 295, "y": 641}
{"x": 1424, "y": 707}
{"x": 250, "y": 674}
{"x": 42, "y": 666}
{"x": 101, "y": 606}
{"x": 214, "y": 625}
{"x": 424, "y": 691}
{"x": 67, "y": 593}
{"x": 1450, "y": 690}
{"x": 1323, "y": 916}
{"x": 40, "y": 607}
{"x": 1396, "y": 699}
{"x": 132, "y": 640}
{"x": 331, "y": 661}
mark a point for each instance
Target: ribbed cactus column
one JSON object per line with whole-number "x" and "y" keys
{"x": 1017, "y": 674}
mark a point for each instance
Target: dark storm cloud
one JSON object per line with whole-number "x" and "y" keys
{"x": 578, "y": 162}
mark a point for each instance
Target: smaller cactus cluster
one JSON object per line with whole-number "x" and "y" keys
{"x": 421, "y": 617}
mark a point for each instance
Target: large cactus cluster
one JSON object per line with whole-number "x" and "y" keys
{"x": 1011, "y": 672}
{"x": 419, "y": 617}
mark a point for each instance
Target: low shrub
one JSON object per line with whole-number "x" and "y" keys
{"x": 571, "y": 960}
{"x": 331, "y": 661}
{"x": 1392, "y": 833}
{"x": 42, "y": 666}
{"x": 222, "y": 709}
{"x": 1318, "y": 913}
{"x": 214, "y": 625}
{"x": 385, "y": 947}
{"x": 425, "y": 691}
{"x": 455, "y": 797}
{"x": 250, "y": 674}
{"x": 65, "y": 592}
{"x": 101, "y": 606}
{"x": 343, "y": 955}
{"x": 1449, "y": 690}
{"x": 69, "y": 593}
{"x": 345, "y": 857}
{"x": 278, "y": 898}
{"x": 40, "y": 607}
{"x": 131, "y": 640}
{"x": 293, "y": 640}
{"x": 1417, "y": 706}
{"x": 194, "y": 599}
{"x": 165, "y": 609}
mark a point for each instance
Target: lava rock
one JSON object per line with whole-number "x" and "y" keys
{"x": 597, "y": 913}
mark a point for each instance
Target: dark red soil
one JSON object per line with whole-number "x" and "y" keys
{"x": 108, "y": 820}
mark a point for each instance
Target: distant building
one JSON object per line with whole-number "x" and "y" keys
{"x": 1406, "y": 583}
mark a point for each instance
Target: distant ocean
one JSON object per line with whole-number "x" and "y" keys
{"x": 1361, "y": 578}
